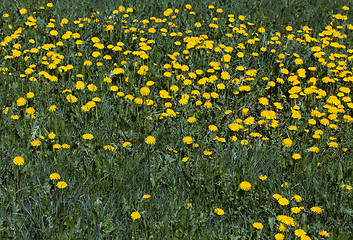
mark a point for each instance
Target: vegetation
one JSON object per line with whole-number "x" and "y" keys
{"x": 176, "y": 120}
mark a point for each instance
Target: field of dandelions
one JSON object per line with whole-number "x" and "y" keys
{"x": 176, "y": 120}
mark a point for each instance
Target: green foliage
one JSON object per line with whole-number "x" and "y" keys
{"x": 175, "y": 185}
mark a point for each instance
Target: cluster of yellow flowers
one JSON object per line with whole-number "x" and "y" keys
{"x": 302, "y": 101}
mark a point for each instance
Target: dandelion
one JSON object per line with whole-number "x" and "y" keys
{"x": 36, "y": 143}
{"x": 279, "y": 236}
{"x": 258, "y": 225}
{"x": 92, "y": 87}
{"x": 332, "y": 144}
{"x": 347, "y": 187}
{"x": 314, "y": 149}
{"x": 295, "y": 210}
{"x": 188, "y": 206}
{"x": 21, "y": 101}
{"x": 219, "y": 211}
{"x": 51, "y": 136}
{"x": 127, "y": 144}
{"x": 71, "y": 98}
{"x": 19, "y": 161}
{"x": 150, "y": 140}
{"x": 187, "y": 140}
{"x": 53, "y": 33}
{"x": 287, "y": 142}
{"x": 23, "y": 11}
{"x": 263, "y": 101}
{"x": 297, "y": 198}
{"x": 146, "y": 196}
{"x": 80, "y": 85}
{"x": 145, "y": 91}
{"x": 324, "y": 234}
{"x": 249, "y": 121}
{"x": 263, "y": 177}
{"x": 244, "y": 142}
{"x": 54, "y": 176}
{"x": 164, "y": 94}
{"x": 316, "y": 209}
{"x": 293, "y": 128}
{"x": 56, "y": 146}
{"x": 245, "y": 186}
{"x": 212, "y": 128}
{"x": 296, "y": 156}
{"x": 118, "y": 71}
{"x": 87, "y": 62}
{"x": 283, "y": 201}
{"x": 245, "y": 111}
{"x": 282, "y": 227}
{"x": 30, "y": 111}
{"x": 299, "y": 232}
{"x": 30, "y": 95}
{"x": 135, "y": 215}
{"x": 52, "y": 108}
{"x": 87, "y": 136}
{"x": 66, "y": 146}
{"x": 61, "y": 185}
{"x": 286, "y": 220}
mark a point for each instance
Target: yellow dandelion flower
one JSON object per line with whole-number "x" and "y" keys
{"x": 287, "y": 142}
{"x": 295, "y": 210}
{"x": 150, "y": 140}
{"x": 299, "y": 232}
{"x": 54, "y": 176}
{"x": 245, "y": 186}
{"x": 51, "y": 135}
{"x": 135, "y": 215}
{"x": 36, "y": 143}
{"x": 258, "y": 225}
{"x": 146, "y": 196}
{"x": 187, "y": 140}
{"x": 61, "y": 185}
{"x": 145, "y": 91}
{"x": 263, "y": 101}
{"x": 316, "y": 209}
{"x": 219, "y": 211}
{"x": 92, "y": 87}
{"x": 296, "y": 156}
{"x": 283, "y": 201}
{"x": 52, "y": 108}
{"x": 71, "y": 98}
{"x": 188, "y": 205}
{"x": 23, "y": 11}
{"x": 57, "y": 146}
{"x": 324, "y": 234}
{"x": 263, "y": 177}
{"x": 21, "y": 101}
{"x": 297, "y": 198}
{"x": 314, "y": 149}
{"x": 213, "y": 128}
{"x": 87, "y": 136}
{"x": 279, "y": 236}
{"x": 109, "y": 148}
{"x": 18, "y": 161}
{"x": 286, "y": 220}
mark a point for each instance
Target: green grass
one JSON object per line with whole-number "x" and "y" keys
{"x": 105, "y": 187}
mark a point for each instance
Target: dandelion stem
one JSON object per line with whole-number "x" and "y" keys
{"x": 17, "y": 178}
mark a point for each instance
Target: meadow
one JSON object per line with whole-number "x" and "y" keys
{"x": 176, "y": 119}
